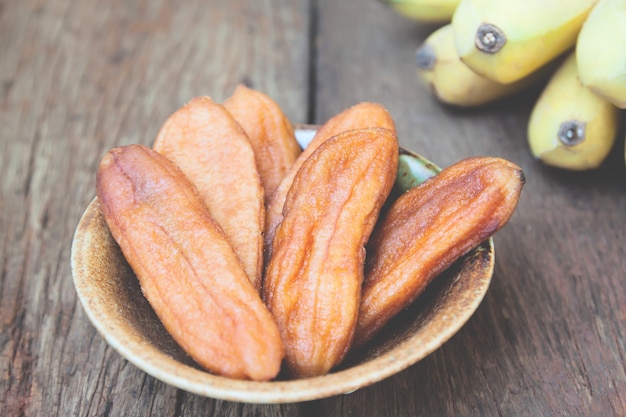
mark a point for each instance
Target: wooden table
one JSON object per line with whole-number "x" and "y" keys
{"x": 79, "y": 77}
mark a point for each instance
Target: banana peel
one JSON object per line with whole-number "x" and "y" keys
{"x": 429, "y": 11}
{"x": 506, "y": 41}
{"x": 452, "y": 82}
{"x": 570, "y": 126}
{"x": 601, "y": 51}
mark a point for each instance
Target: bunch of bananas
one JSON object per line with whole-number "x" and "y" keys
{"x": 485, "y": 50}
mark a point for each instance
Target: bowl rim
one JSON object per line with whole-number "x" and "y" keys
{"x": 167, "y": 369}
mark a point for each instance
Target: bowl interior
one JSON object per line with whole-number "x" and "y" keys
{"x": 112, "y": 299}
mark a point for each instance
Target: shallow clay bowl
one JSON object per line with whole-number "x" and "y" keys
{"x": 112, "y": 299}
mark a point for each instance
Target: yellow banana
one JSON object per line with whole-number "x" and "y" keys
{"x": 601, "y": 51}
{"x": 507, "y": 40}
{"x": 431, "y": 11}
{"x": 571, "y": 127}
{"x": 451, "y": 81}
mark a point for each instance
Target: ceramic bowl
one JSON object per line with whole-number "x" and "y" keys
{"x": 111, "y": 297}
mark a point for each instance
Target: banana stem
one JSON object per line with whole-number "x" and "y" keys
{"x": 572, "y": 132}
{"x": 425, "y": 57}
{"x": 489, "y": 38}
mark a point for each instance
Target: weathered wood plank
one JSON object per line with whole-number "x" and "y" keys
{"x": 550, "y": 337}
{"x": 78, "y": 77}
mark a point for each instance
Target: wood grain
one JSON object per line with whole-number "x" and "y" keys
{"x": 78, "y": 77}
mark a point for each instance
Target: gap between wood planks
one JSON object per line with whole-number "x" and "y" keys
{"x": 312, "y": 71}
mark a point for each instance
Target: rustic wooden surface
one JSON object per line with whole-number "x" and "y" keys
{"x": 78, "y": 77}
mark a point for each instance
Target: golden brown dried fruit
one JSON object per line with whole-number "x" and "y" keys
{"x": 428, "y": 228}
{"x": 214, "y": 152}
{"x": 313, "y": 280}
{"x": 359, "y": 116}
{"x": 270, "y": 132}
{"x": 186, "y": 268}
